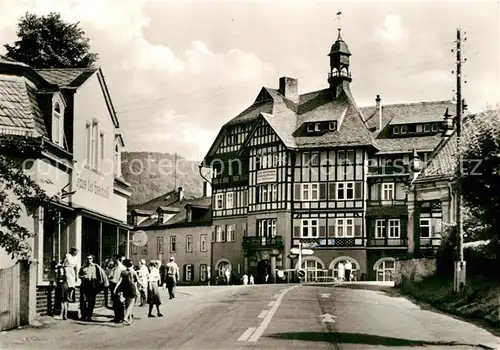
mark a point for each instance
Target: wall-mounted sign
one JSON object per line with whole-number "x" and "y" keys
{"x": 94, "y": 187}
{"x": 266, "y": 175}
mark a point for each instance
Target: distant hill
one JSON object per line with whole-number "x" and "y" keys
{"x": 151, "y": 174}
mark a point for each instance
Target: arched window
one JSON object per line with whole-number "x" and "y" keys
{"x": 334, "y": 266}
{"x": 384, "y": 270}
{"x": 314, "y": 267}
{"x": 57, "y": 123}
{"x": 222, "y": 267}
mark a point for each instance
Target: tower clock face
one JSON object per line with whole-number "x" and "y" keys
{"x": 344, "y": 59}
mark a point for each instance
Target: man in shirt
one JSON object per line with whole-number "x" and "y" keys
{"x": 172, "y": 272}
{"x": 118, "y": 307}
{"x": 348, "y": 269}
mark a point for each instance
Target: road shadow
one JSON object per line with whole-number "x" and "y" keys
{"x": 359, "y": 339}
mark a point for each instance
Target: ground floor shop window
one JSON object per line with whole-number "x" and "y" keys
{"x": 385, "y": 270}
{"x": 314, "y": 269}
{"x": 55, "y": 239}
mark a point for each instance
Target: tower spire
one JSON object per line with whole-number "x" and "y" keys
{"x": 339, "y": 27}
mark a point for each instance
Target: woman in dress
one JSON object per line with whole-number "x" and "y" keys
{"x": 127, "y": 288}
{"x": 153, "y": 291}
{"x": 67, "y": 272}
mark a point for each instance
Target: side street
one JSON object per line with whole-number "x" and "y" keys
{"x": 360, "y": 213}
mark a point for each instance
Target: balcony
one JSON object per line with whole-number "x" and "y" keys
{"x": 387, "y": 242}
{"x": 385, "y": 203}
{"x": 332, "y": 242}
{"x": 262, "y": 243}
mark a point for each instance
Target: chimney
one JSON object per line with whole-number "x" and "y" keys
{"x": 181, "y": 193}
{"x": 205, "y": 189}
{"x": 379, "y": 113}
{"x": 289, "y": 87}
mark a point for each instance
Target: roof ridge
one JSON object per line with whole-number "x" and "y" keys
{"x": 74, "y": 68}
{"x": 409, "y": 103}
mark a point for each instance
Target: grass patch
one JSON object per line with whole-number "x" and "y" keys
{"x": 479, "y": 302}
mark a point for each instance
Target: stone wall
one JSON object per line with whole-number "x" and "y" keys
{"x": 413, "y": 270}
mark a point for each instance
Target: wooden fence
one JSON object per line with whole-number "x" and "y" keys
{"x": 10, "y": 305}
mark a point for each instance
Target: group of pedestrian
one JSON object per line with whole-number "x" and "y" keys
{"x": 126, "y": 286}
{"x": 344, "y": 271}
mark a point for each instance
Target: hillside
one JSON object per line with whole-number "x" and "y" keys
{"x": 152, "y": 174}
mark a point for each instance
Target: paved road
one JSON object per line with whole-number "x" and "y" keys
{"x": 265, "y": 317}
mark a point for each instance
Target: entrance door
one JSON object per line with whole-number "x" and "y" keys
{"x": 263, "y": 269}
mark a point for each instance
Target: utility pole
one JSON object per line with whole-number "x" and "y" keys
{"x": 459, "y": 274}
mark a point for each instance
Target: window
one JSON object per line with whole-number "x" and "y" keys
{"x": 317, "y": 127}
{"x": 427, "y": 127}
{"x": 315, "y": 158}
{"x": 310, "y": 191}
{"x": 101, "y": 148}
{"x": 309, "y": 228}
{"x": 332, "y": 126}
{"x": 306, "y": 159}
{"x": 313, "y": 269}
{"x": 340, "y": 157}
{"x": 117, "y": 161}
{"x": 203, "y": 272}
{"x": 395, "y": 130}
{"x": 266, "y": 228}
{"x": 387, "y": 191}
{"x": 230, "y": 234}
{"x": 344, "y": 228}
{"x": 203, "y": 243}
{"x": 189, "y": 244}
{"x": 229, "y": 200}
{"x": 435, "y": 127}
{"x": 219, "y": 201}
{"x": 56, "y": 124}
{"x": 223, "y": 267}
{"x": 245, "y": 198}
{"x": 394, "y": 228}
{"x": 351, "y": 156}
{"x": 267, "y": 193}
{"x": 145, "y": 249}
{"x": 219, "y": 233}
{"x": 189, "y": 214}
{"x": 173, "y": 245}
{"x": 425, "y": 228}
{"x": 385, "y": 271}
{"x": 404, "y": 129}
{"x": 94, "y": 142}
{"x": 133, "y": 249}
{"x": 88, "y": 144}
{"x": 188, "y": 272}
{"x": 55, "y": 242}
{"x": 266, "y": 161}
{"x": 310, "y": 127}
{"x": 159, "y": 245}
{"x": 419, "y": 128}
{"x": 336, "y": 268}
{"x": 380, "y": 228}
{"x": 345, "y": 190}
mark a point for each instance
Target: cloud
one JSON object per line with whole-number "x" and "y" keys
{"x": 161, "y": 95}
{"x": 392, "y": 28}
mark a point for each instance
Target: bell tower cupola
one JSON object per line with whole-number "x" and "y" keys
{"x": 339, "y": 60}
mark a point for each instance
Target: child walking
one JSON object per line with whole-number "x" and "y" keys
{"x": 153, "y": 291}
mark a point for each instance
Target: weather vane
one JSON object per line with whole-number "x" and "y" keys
{"x": 339, "y": 14}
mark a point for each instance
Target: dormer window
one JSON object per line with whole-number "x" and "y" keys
{"x": 58, "y": 122}
{"x": 404, "y": 129}
{"x": 189, "y": 214}
{"x": 317, "y": 127}
{"x": 435, "y": 127}
{"x": 419, "y": 128}
{"x": 427, "y": 128}
{"x": 310, "y": 127}
{"x": 395, "y": 130}
{"x": 332, "y": 126}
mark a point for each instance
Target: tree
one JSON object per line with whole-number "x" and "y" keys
{"x": 17, "y": 189}
{"x": 479, "y": 178}
{"x": 49, "y": 42}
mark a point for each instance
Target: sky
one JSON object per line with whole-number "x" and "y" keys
{"x": 178, "y": 70}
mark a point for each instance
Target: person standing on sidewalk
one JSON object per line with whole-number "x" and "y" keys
{"x": 94, "y": 280}
{"x": 118, "y": 306}
{"x": 127, "y": 289}
{"x": 153, "y": 291}
{"x": 348, "y": 269}
{"x": 172, "y": 271}
{"x": 143, "y": 274}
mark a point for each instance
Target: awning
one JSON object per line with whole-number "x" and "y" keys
{"x": 61, "y": 205}
{"x": 104, "y": 218}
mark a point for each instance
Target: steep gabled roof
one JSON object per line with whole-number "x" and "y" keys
{"x": 67, "y": 77}
{"x": 442, "y": 163}
{"x": 407, "y": 144}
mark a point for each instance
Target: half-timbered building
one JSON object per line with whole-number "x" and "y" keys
{"x": 317, "y": 169}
